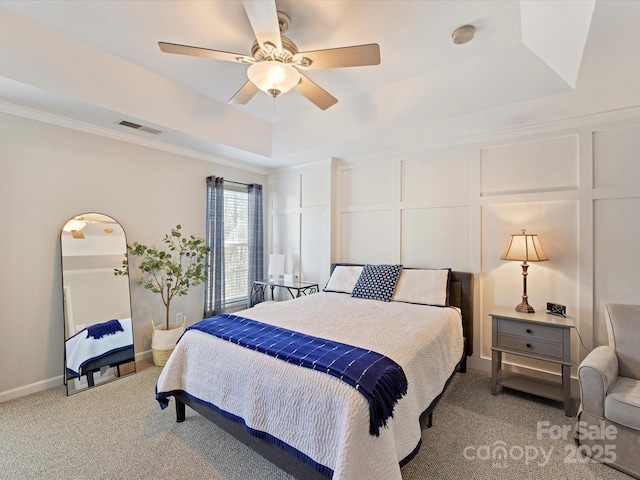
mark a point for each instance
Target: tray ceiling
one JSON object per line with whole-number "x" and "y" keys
{"x": 98, "y": 62}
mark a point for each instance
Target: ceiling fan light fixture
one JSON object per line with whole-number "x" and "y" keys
{"x": 273, "y": 77}
{"x": 74, "y": 225}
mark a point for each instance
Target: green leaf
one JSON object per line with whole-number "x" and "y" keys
{"x": 172, "y": 271}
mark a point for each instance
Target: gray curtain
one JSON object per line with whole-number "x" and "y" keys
{"x": 256, "y": 249}
{"x": 214, "y": 300}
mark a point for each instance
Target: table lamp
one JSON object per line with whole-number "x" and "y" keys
{"x": 276, "y": 265}
{"x": 524, "y": 247}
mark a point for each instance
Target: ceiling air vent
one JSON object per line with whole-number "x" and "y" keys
{"x": 136, "y": 126}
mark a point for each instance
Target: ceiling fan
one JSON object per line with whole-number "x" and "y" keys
{"x": 76, "y": 224}
{"x": 275, "y": 64}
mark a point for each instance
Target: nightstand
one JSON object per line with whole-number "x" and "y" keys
{"x": 295, "y": 289}
{"x": 533, "y": 335}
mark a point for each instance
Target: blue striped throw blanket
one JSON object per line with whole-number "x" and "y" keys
{"x": 99, "y": 330}
{"x": 378, "y": 378}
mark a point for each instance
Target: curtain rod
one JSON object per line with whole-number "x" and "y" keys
{"x": 238, "y": 183}
{"x": 231, "y": 181}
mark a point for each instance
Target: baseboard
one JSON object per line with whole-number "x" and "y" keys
{"x": 480, "y": 364}
{"x": 36, "y": 387}
{"x": 31, "y": 388}
{"x": 147, "y": 356}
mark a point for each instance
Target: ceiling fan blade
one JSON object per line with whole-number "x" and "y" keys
{"x": 202, "y": 52}
{"x": 104, "y": 222}
{"x": 315, "y": 94}
{"x": 356, "y": 56}
{"x": 246, "y": 93}
{"x": 263, "y": 17}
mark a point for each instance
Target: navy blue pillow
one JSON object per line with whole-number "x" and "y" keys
{"x": 377, "y": 282}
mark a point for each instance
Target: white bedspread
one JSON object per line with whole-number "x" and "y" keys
{"x": 311, "y": 411}
{"x": 80, "y": 349}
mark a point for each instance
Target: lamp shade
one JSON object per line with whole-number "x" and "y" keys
{"x": 273, "y": 77}
{"x": 525, "y": 247}
{"x": 276, "y": 265}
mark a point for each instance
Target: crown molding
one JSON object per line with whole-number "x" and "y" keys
{"x": 60, "y": 121}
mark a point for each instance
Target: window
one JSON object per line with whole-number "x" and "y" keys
{"x": 236, "y": 247}
{"x": 234, "y": 234}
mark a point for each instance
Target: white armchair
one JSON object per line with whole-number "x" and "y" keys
{"x": 608, "y": 423}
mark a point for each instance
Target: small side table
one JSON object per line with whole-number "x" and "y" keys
{"x": 295, "y": 289}
{"x": 534, "y": 335}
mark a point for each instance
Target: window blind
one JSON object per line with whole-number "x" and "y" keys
{"x": 236, "y": 247}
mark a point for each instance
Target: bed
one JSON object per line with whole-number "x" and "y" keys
{"x": 315, "y": 425}
{"x": 106, "y": 344}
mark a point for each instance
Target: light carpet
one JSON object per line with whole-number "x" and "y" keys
{"x": 118, "y": 431}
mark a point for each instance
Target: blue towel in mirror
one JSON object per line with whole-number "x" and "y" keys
{"x": 99, "y": 330}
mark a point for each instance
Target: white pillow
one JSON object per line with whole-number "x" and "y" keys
{"x": 343, "y": 279}
{"x": 426, "y": 287}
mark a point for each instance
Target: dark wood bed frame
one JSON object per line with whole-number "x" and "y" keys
{"x": 460, "y": 295}
{"x": 115, "y": 359}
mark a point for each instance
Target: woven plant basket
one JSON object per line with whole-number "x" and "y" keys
{"x": 164, "y": 341}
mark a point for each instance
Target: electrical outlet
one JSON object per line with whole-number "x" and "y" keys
{"x": 556, "y": 309}
{"x": 179, "y": 318}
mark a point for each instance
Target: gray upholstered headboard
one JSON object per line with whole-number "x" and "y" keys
{"x": 460, "y": 295}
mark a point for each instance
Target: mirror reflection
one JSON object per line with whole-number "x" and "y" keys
{"x": 97, "y": 306}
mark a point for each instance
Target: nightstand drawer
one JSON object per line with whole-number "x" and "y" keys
{"x": 531, "y": 331}
{"x": 531, "y": 346}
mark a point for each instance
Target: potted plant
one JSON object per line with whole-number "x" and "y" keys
{"x": 170, "y": 272}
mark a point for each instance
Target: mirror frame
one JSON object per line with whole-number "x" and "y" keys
{"x": 101, "y": 350}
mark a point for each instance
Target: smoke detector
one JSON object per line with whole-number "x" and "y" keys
{"x": 463, "y": 34}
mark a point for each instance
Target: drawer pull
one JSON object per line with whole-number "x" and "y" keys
{"x": 529, "y": 345}
{"x": 529, "y": 330}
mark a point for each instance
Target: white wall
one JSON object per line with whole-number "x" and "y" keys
{"x": 616, "y": 207}
{"x": 577, "y": 185}
{"x": 299, "y": 220}
{"x": 95, "y": 295}
{"x": 50, "y": 173}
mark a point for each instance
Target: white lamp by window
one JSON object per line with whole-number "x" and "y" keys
{"x": 276, "y": 265}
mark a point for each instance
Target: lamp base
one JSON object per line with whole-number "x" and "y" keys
{"x": 524, "y": 307}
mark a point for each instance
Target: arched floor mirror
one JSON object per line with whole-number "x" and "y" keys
{"x": 98, "y": 330}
